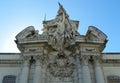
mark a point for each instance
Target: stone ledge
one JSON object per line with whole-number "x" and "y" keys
{"x": 111, "y": 61}
{"x": 10, "y": 61}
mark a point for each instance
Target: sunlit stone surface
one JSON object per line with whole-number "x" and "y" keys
{"x": 60, "y": 55}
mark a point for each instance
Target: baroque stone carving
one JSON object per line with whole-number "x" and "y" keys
{"x": 61, "y": 30}
{"x": 62, "y": 67}
{"x": 60, "y": 47}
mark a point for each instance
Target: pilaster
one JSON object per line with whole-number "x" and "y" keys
{"x": 38, "y": 74}
{"x": 25, "y": 70}
{"x": 78, "y": 68}
{"x": 98, "y": 70}
{"x": 85, "y": 70}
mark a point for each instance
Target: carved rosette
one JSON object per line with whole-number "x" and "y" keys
{"x": 62, "y": 67}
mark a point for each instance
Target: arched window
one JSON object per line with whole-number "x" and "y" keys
{"x": 113, "y": 79}
{"x": 9, "y": 79}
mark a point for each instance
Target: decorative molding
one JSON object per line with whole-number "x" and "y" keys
{"x": 109, "y": 61}
{"x": 33, "y": 49}
{"x": 10, "y": 61}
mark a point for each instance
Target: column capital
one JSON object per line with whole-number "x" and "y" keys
{"x": 26, "y": 63}
{"x": 85, "y": 60}
{"x": 97, "y": 57}
{"x": 97, "y": 60}
{"x": 38, "y": 57}
{"x": 26, "y": 60}
{"x": 37, "y": 60}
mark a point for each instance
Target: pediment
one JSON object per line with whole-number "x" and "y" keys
{"x": 28, "y": 32}
{"x": 95, "y": 35}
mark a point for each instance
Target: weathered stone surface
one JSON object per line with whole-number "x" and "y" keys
{"x": 62, "y": 53}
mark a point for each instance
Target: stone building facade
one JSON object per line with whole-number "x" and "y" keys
{"x": 60, "y": 55}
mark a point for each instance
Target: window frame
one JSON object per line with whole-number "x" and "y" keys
{"x": 9, "y": 79}
{"x": 113, "y": 79}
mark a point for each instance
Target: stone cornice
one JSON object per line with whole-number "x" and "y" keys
{"x": 10, "y": 61}
{"x": 5, "y": 53}
{"x": 107, "y": 53}
{"x": 111, "y": 60}
{"x": 107, "y": 57}
{"x": 33, "y": 40}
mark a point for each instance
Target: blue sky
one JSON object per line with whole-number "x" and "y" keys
{"x": 15, "y": 15}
